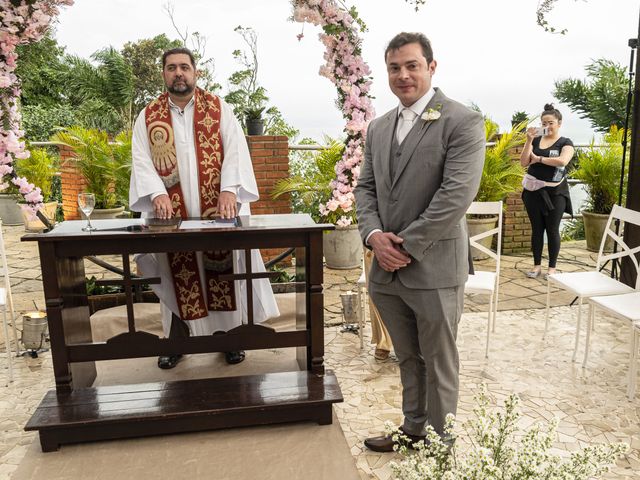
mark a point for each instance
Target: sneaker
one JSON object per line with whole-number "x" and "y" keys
{"x": 533, "y": 274}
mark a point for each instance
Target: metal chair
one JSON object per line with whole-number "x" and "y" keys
{"x": 6, "y": 300}
{"x": 487, "y": 282}
{"x": 362, "y": 303}
{"x": 595, "y": 283}
{"x": 626, "y": 307}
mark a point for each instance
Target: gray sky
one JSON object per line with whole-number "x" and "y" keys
{"x": 489, "y": 52}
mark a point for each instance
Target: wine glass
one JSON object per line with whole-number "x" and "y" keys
{"x": 86, "y": 202}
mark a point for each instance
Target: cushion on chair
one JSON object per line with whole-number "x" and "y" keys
{"x": 481, "y": 282}
{"x": 589, "y": 284}
{"x": 627, "y": 305}
{"x": 3, "y": 296}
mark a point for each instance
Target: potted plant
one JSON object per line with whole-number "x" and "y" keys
{"x": 313, "y": 192}
{"x": 599, "y": 169}
{"x": 105, "y": 166}
{"x": 253, "y": 120}
{"x": 501, "y": 175}
{"x": 39, "y": 168}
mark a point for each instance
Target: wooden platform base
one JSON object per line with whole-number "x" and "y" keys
{"x": 125, "y": 411}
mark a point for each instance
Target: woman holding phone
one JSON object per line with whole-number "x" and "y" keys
{"x": 545, "y": 189}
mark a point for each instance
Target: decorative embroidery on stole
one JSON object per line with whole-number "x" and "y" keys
{"x": 193, "y": 300}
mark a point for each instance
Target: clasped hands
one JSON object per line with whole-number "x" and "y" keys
{"x": 227, "y": 206}
{"x": 387, "y": 248}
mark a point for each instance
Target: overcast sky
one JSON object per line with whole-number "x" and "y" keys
{"x": 489, "y": 52}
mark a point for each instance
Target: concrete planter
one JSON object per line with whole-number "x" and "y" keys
{"x": 342, "y": 248}
{"x": 104, "y": 213}
{"x": 594, "y": 225}
{"x": 35, "y": 225}
{"x": 477, "y": 226}
{"x": 10, "y": 211}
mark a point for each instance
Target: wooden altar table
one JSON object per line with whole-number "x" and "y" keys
{"x": 77, "y": 412}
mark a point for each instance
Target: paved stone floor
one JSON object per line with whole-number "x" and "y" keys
{"x": 591, "y": 403}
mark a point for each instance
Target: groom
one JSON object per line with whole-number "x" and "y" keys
{"x": 422, "y": 168}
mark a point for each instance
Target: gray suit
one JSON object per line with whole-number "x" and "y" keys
{"x": 436, "y": 176}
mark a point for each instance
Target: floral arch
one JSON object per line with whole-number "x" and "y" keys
{"x": 25, "y": 21}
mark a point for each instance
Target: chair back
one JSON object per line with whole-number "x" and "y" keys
{"x": 4, "y": 271}
{"x": 488, "y": 208}
{"x": 626, "y": 216}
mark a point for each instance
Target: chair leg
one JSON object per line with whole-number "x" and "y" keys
{"x": 13, "y": 320}
{"x": 7, "y": 342}
{"x": 633, "y": 358}
{"x": 495, "y": 306}
{"x": 587, "y": 341}
{"x": 546, "y": 315}
{"x": 361, "y": 317}
{"x": 578, "y": 327}
{"x": 489, "y": 322}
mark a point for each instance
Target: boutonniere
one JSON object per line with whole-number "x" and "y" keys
{"x": 432, "y": 114}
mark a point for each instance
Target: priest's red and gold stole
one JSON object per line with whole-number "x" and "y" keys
{"x": 193, "y": 300}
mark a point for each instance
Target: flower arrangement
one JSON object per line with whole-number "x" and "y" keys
{"x": 500, "y": 450}
{"x": 348, "y": 71}
{"x": 312, "y": 191}
{"x": 21, "y": 21}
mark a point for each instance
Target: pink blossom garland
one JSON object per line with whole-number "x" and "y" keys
{"x": 21, "y": 21}
{"x": 345, "y": 67}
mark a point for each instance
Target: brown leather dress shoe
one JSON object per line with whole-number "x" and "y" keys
{"x": 385, "y": 443}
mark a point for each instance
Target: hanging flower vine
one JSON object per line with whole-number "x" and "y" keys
{"x": 347, "y": 70}
{"x": 21, "y": 21}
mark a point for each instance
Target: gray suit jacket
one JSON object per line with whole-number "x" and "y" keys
{"x": 436, "y": 178}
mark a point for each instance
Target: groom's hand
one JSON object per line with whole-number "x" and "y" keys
{"x": 387, "y": 247}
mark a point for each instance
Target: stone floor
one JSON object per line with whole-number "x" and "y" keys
{"x": 591, "y": 403}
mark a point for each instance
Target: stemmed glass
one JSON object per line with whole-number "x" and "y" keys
{"x": 86, "y": 202}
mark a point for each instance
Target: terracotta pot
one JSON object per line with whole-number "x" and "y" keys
{"x": 477, "y": 226}
{"x": 342, "y": 248}
{"x": 594, "y": 225}
{"x": 104, "y": 213}
{"x": 34, "y": 224}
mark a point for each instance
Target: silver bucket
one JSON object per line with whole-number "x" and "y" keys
{"x": 34, "y": 330}
{"x": 350, "y": 308}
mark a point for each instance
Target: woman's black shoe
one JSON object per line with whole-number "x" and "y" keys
{"x": 234, "y": 357}
{"x": 168, "y": 361}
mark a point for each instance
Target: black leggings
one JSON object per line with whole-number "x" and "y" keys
{"x": 540, "y": 223}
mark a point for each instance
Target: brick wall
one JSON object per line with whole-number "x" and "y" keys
{"x": 270, "y": 157}
{"x": 72, "y": 183}
{"x": 516, "y": 228}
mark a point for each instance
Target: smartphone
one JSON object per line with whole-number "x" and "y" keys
{"x": 541, "y": 132}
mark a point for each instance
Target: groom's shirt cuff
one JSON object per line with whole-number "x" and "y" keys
{"x": 375, "y": 230}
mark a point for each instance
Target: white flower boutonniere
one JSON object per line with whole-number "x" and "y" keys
{"x": 431, "y": 115}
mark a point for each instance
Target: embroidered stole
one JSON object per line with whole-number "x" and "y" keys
{"x": 194, "y": 300}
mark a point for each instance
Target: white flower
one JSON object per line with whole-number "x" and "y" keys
{"x": 430, "y": 115}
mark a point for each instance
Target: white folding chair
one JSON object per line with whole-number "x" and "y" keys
{"x": 595, "y": 283}
{"x": 487, "y": 282}
{"x": 626, "y": 307}
{"x": 6, "y": 300}
{"x": 362, "y": 303}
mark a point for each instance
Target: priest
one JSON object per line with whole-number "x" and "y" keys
{"x": 190, "y": 159}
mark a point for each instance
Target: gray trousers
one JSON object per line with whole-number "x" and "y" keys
{"x": 423, "y": 325}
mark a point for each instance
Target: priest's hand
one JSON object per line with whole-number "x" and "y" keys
{"x": 162, "y": 207}
{"x": 227, "y": 206}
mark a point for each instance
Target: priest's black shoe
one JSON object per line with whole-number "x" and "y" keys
{"x": 385, "y": 443}
{"x": 168, "y": 361}
{"x": 234, "y": 357}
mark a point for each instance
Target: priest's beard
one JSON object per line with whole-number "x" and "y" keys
{"x": 183, "y": 89}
